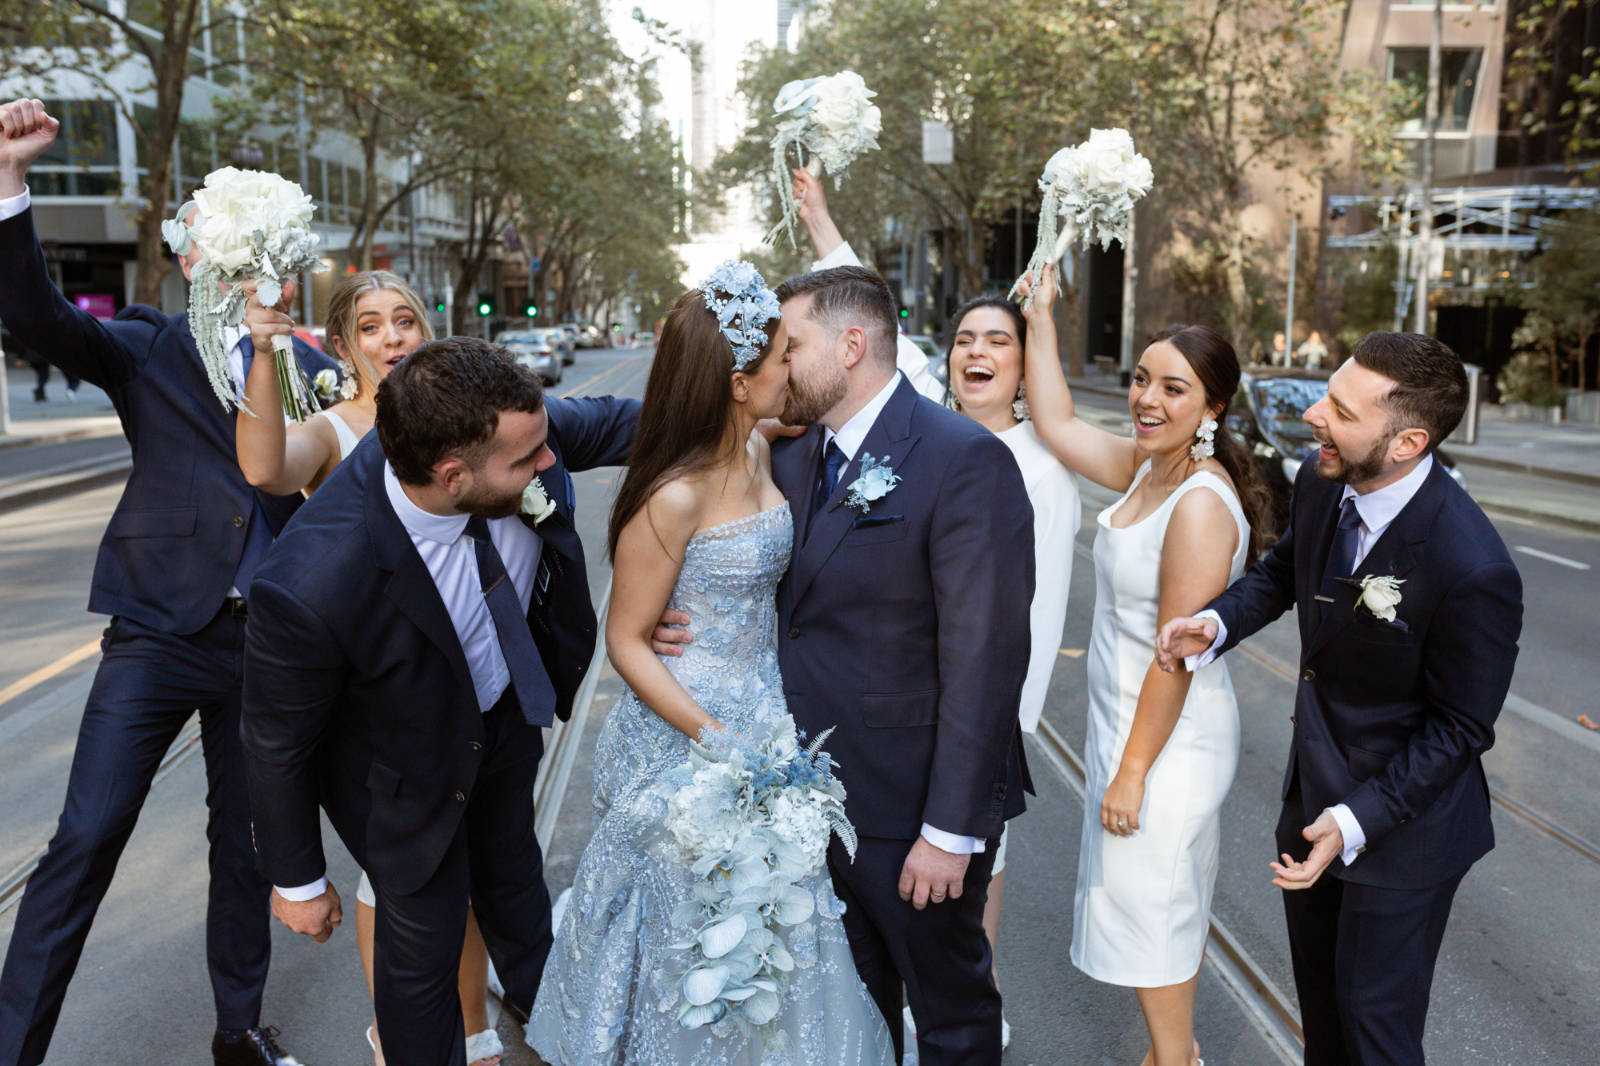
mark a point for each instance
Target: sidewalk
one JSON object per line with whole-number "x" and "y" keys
{"x": 90, "y": 414}
{"x": 1527, "y": 470}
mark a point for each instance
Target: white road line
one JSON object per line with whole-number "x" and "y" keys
{"x": 1559, "y": 560}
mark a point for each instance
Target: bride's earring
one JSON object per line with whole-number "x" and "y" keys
{"x": 349, "y": 384}
{"x": 1204, "y": 446}
{"x": 1019, "y": 406}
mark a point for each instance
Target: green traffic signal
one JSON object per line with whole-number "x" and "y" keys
{"x": 531, "y": 310}
{"x": 439, "y": 307}
{"x": 485, "y": 308}
{"x": 905, "y": 312}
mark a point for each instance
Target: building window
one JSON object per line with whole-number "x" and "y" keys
{"x": 1458, "y": 87}
{"x": 83, "y": 159}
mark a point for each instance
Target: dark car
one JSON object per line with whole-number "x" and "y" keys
{"x": 1267, "y": 416}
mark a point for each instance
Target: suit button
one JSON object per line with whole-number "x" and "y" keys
{"x": 475, "y": 745}
{"x": 794, "y": 632}
{"x": 1309, "y": 675}
{"x": 238, "y": 521}
{"x": 460, "y": 797}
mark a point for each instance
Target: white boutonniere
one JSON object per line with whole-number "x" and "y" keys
{"x": 536, "y": 503}
{"x": 1380, "y": 595}
{"x": 876, "y": 481}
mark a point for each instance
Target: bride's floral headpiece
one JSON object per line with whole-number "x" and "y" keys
{"x": 738, "y": 295}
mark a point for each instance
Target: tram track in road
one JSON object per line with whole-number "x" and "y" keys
{"x": 1267, "y": 1009}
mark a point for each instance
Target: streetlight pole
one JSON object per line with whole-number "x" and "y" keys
{"x": 1425, "y": 218}
{"x": 1130, "y": 285}
{"x": 1288, "y": 313}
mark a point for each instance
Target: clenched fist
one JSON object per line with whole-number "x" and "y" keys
{"x": 26, "y": 130}
{"x": 316, "y": 918}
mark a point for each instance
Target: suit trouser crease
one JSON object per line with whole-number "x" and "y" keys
{"x": 147, "y": 686}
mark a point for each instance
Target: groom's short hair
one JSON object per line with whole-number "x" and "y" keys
{"x": 445, "y": 399}
{"x": 849, "y": 296}
{"x": 1430, "y": 384}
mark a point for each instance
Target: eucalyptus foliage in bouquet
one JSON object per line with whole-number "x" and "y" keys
{"x": 249, "y": 225}
{"x": 1089, "y": 193}
{"x": 834, "y": 119}
{"x": 751, "y": 816}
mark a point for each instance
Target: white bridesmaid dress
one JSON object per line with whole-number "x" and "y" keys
{"x": 1143, "y": 902}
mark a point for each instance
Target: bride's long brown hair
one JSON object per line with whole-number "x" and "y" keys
{"x": 687, "y": 404}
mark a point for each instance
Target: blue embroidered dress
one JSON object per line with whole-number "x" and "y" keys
{"x": 611, "y": 990}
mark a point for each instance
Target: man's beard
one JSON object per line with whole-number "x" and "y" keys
{"x": 485, "y": 505}
{"x": 1357, "y": 471}
{"x": 810, "y": 399}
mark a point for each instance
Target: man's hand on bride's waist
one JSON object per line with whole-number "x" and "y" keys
{"x": 671, "y": 634}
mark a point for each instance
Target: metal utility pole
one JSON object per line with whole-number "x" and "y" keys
{"x": 1288, "y": 314}
{"x": 1425, "y": 218}
{"x": 1130, "y": 284}
{"x": 302, "y": 135}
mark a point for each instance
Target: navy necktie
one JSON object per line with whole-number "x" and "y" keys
{"x": 1346, "y": 538}
{"x": 258, "y": 535}
{"x": 535, "y": 694}
{"x": 833, "y": 461}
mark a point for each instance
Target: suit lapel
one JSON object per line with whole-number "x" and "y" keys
{"x": 410, "y": 584}
{"x": 890, "y": 440}
{"x": 1395, "y": 554}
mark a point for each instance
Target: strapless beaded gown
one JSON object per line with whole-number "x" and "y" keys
{"x": 610, "y": 992}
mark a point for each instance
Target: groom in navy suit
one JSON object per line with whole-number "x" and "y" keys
{"x": 174, "y": 574}
{"x": 903, "y": 625}
{"x": 410, "y": 635}
{"x": 1409, "y": 610}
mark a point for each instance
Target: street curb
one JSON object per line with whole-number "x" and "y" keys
{"x": 1542, "y": 518}
{"x": 1511, "y": 466}
{"x": 40, "y": 490}
{"x": 26, "y": 440}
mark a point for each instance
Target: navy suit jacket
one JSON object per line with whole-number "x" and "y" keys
{"x": 1391, "y": 719}
{"x": 175, "y": 539}
{"x": 354, "y": 678}
{"x": 906, "y": 628}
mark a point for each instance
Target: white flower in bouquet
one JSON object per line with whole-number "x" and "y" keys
{"x": 834, "y": 119}
{"x": 1089, "y": 192}
{"x": 248, "y": 225}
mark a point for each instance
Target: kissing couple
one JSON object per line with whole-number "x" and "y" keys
{"x": 872, "y": 575}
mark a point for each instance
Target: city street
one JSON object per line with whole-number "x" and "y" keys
{"x": 1516, "y": 978}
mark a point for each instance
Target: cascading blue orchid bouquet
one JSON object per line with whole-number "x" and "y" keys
{"x": 751, "y": 816}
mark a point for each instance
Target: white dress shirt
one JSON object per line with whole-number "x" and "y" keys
{"x": 850, "y": 437}
{"x": 452, "y": 561}
{"x": 1377, "y": 510}
{"x": 912, "y": 361}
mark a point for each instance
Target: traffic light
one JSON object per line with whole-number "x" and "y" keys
{"x": 530, "y": 309}
{"x": 439, "y": 307}
{"x": 905, "y": 312}
{"x": 485, "y": 307}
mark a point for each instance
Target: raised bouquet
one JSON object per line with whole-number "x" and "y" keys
{"x": 252, "y": 225}
{"x": 834, "y": 119}
{"x": 751, "y": 816}
{"x": 1089, "y": 193}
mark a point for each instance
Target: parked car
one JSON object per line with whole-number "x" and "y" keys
{"x": 937, "y": 365}
{"x": 569, "y": 335}
{"x": 1268, "y": 415}
{"x": 589, "y": 336}
{"x": 540, "y": 350}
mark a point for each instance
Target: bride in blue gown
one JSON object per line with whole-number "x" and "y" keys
{"x": 699, "y": 527}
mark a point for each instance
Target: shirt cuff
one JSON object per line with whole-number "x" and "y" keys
{"x": 1209, "y": 656}
{"x": 1355, "y": 839}
{"x": 12, "y": 206}
{"x": 842, "y": 256}
{"x": 951, "y": 842}
{"x": 303, "y": 892}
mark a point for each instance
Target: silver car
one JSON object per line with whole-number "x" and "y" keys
{"x": 540, "y": 350}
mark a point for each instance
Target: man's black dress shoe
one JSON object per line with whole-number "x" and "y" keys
{"x": 250, "y": 1047}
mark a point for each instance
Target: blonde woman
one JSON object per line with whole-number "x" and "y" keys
{"x": 374, "y": 321}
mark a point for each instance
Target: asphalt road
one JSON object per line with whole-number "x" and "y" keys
{"x": 1515, "y": 982}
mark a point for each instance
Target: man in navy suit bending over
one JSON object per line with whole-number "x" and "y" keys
{"x": 1409, "y": 610}
{"x": 173, "y": 572}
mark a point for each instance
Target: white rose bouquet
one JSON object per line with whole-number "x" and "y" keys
{"x": 832, "y": 117}
{"x": 751, "y": 817}
{"x": 250, "y": 225}
{"x": 1089, "y": 192}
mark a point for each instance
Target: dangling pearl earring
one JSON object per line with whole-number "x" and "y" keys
{"x": 1204, "y": 446}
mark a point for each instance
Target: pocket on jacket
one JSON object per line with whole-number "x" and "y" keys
{"x": 901, "y": 710}
{"x": 868, "y": 530}
{"x": 382, "y": 779}
{"x": 1365, "y": 764}
{"x": 174, "y": 522}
